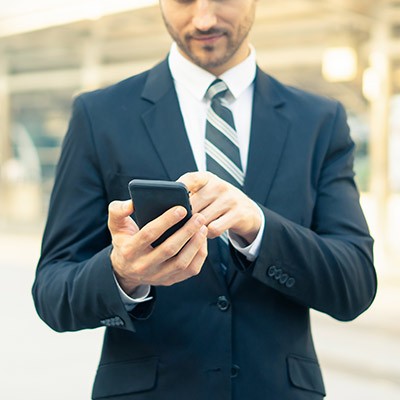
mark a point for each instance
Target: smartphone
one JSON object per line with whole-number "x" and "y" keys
{"x": 151, "y": 198}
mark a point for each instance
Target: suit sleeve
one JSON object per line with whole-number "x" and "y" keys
{"x": 74, "y": 286}
{"x": 329, "y": 265}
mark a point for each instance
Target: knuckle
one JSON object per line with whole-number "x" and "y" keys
{"x": 180, "y": 264}
{"x": 199, "y": 177}
{"x": 187, "y": 175}
{"x": 195, "y": 269}
{"x": 225, "y": 187}
{"x": 187, "y": 178}
{"x": 203, "y": 252}
{"x": 213, "y": 231}
{"x": 168, "y": 250}
{"x": 168, "y": 282}
{"x": 110, "y": 225}
{"x": 140, "y": 270}
{"x": 147, "y": 234}
{"x": 112, "y": 207}
{"x": 124, "y": 251}
{"x": 235, "y": 201}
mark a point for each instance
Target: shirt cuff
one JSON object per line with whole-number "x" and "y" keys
{"x": 252, "y": 250}
{"x": 139, "y": 295}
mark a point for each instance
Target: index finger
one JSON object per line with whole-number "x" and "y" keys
{"x": 194, "y": 181}
{"x": 154, "y": 229}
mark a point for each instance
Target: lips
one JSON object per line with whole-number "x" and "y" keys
{"x": 208, "y": 39}
{"x": 209, "y": 36}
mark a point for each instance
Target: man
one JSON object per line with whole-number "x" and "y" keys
{"x": 188, "y": 320}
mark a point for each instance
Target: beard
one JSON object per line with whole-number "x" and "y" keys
{"x": 209, "y": 56}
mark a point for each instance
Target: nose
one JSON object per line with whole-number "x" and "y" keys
{"x": 204, "y": 16}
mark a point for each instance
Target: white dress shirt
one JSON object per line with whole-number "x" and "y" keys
{"x": 191, "y": 84}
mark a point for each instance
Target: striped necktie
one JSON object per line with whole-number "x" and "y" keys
{"x": 222, "y": 148}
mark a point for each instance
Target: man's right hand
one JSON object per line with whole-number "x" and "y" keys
{"x": 136, "y": 262}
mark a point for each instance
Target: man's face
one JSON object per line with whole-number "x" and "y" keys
{"x": 211, "y": 33}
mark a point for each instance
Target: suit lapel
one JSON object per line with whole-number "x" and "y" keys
{"x": 164, "y": 123}
{"x": 268, "y": 135}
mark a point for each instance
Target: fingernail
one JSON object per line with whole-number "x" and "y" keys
{"x": 127, "y": 204}
{"x": 203, "y": 230}
{"x": 180, "y": 212}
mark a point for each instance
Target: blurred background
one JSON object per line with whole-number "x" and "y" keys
{"x": 50, "y": 50}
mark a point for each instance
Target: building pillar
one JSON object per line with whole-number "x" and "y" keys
{"x": 5, "y": 122}
{"x": 91, "y": 64}
{"x": 5, "y": 110}
{"x": 381, "y": 65}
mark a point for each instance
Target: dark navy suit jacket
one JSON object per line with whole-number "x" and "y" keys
{"x": 248, "y": 337}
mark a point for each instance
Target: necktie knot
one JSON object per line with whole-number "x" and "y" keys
{"x": 217, "y": 90}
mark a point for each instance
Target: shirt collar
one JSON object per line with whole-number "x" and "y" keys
{"x": 197, "y": 80}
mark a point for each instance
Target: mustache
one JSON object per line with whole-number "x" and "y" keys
{"x": 210, "y": 32}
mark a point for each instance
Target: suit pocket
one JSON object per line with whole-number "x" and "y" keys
{"x": 117, "y": 379}
{"x": 305, "y": 373}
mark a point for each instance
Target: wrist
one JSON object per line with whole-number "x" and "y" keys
{"x": 126, "y": 283}
{"x": 249, "y": 237}
{"x": 252, "y": 231}
{"x": 251, "y": 226}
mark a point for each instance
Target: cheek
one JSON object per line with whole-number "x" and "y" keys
{"x": 236, "y": 15}
{"x": 173, "y": 20}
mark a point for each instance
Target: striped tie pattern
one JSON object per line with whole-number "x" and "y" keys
{"x": 222, "y": 147}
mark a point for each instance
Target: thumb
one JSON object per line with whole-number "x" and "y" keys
{"x": 118, "y": 211}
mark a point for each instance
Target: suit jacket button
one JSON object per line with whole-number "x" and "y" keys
{"x": 119, "y": 321}
{"x": 290, "y": 282}
{"x": 278, "y": 273}
{"x": 283, "y": 279}
{"x": 271, "y": 271}
{"x": 223, "y": 303}
{"x": 235, "y": 371}
{"x": 113, "y": 321}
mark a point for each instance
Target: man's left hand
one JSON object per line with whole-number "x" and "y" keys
{"x": 224, "y": 206}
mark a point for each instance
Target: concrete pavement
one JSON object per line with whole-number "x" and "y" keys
{"x": 360, "y": 360}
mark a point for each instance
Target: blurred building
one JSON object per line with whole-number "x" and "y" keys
{"x": 347, "y": 49}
